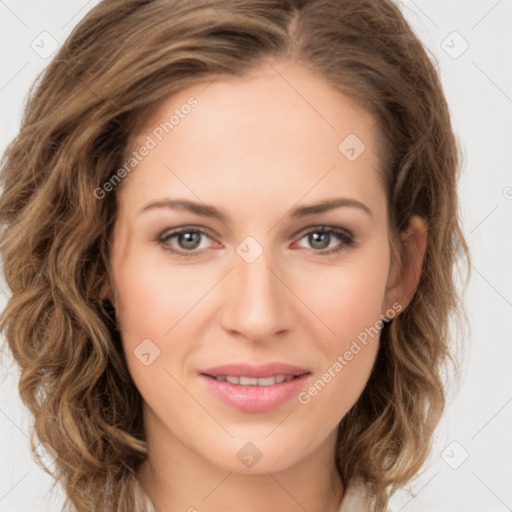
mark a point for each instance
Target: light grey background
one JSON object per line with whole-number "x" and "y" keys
{"x": 478, "y": 85}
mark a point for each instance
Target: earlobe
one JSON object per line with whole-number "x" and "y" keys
{"x": 414, "y": 242}
{"x": 105, "y": 292}
{"x": 406, "y": 275}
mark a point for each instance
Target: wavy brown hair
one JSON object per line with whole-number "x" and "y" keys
{"x": 121, "y": 61}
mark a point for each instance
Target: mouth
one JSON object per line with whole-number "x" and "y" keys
{"x": 254, "y": 381}
{"x": 251, "y": 371}
{"x": 251, "y": 388}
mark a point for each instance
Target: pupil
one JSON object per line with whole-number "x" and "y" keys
{"x": 190, "y": 243}
{"x": 314, "y": 238}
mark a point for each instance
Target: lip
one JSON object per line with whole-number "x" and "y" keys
{"x": 255, "y": 398}
{"x": 251, "y": 370}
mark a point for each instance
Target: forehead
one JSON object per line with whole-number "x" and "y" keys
{"x": 272, "y": 96}
{"x": 278, "y": 131}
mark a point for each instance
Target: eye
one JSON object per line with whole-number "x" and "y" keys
{"x": 320, "y": 238}
{"x": 187, "y": 239}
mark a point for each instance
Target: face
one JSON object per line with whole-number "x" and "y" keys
{"x": 252, "y": 275}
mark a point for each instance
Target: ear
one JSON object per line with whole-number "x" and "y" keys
{"x": 404, "y": 275}
{"x": 105, "y": 292}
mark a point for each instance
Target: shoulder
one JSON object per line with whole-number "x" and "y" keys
{"x": 356, "y": 497}
{"x": 141, "y": 500}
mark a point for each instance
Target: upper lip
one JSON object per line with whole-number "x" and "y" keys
{"x": 251, "y": 370}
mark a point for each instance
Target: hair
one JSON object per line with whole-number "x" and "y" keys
{"x": 121, "y": 61}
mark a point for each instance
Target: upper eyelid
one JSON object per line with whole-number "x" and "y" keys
{"x": 324, "y": 227}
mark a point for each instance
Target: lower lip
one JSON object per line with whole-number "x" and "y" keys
{"x": 255, "y": 398}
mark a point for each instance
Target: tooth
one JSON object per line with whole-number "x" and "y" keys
{"x": 266, "y": 381}
{"x": 248, "y": 381}
{"x": 254, "y": 381}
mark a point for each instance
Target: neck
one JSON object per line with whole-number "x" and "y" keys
{"x": 177, "y": 478}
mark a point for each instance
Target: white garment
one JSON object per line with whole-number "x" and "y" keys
{"x": 355, "y": 499}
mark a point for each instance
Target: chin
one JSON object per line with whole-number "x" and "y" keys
{"x": 256, "y": 457}
{"x": 261, "y": 467}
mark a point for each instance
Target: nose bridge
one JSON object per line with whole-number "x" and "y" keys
{"x": 258, "y": 305}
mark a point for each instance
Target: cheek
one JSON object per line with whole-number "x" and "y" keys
{"x": 150, "y": 303}
{"x": 151, "y": 299}
{"x": 351, "y": 308}
{"x": 350, "y": 305}
{"x": 349, "y": 299}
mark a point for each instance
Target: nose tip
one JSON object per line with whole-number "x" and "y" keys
{"x": 257, "y": 305}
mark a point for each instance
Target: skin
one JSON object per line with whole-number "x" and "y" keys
{"x": 255, "y": 148}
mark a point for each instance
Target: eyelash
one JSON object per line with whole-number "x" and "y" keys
{"x": 344, "y": 235}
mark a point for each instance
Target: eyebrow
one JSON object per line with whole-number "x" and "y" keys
{"x": 205, "y": 210}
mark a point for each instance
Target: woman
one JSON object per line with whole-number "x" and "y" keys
{"x": 230, "y": 231}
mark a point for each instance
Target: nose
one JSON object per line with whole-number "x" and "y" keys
{"x": 258, "y": 305}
